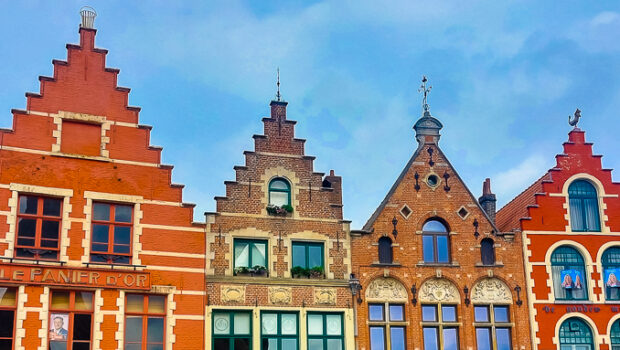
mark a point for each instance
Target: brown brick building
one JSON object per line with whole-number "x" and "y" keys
{"x": 84, "y": 204}
{"x": 435, "y": 271}
{"x": 278, "y": 251}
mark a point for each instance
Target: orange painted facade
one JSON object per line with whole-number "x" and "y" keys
{"x": 548, "y": 215}
{"x": 84, "y": 204}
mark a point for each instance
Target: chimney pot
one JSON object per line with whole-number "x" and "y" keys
{"x": 488, "y": 200}
{"x": 88, "y": 15}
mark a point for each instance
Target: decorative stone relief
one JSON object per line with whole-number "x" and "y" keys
{"x": 325, "y": 296}
{"x": 386, "y": 289}
{"x": 280, "y": 295}
{"x": 491, "y": 290}
{"x": 439, "y": 290}
{"x": 233, "y": 294}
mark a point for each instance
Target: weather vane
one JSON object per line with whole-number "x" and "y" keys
{"x": 278, "y": 96}
{"x": 423, "y": 89}
{"x": 575, "y": 118}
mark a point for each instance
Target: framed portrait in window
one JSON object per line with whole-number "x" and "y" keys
{"x": 58, "y": 330}
{"x": 571, "y": 279}
{"x": 611, "y": 278}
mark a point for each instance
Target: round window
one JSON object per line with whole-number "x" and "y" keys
{"x": 432, "y": 180}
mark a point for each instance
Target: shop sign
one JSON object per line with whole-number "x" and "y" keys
{"x": 64, "y": 276}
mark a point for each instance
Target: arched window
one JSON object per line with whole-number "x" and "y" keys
{"x": 385, "y": 250}
{"x": 611, "y": 273}
{"x": 615, "y": 335}
{"x": 584, "y": 214}
{"x": 435, "y": 242}
{"x": 575, "y": 335}
{"x": 569, "y": 274}
{"x": 487, "y": 251}
{"x": 279, "y": 192}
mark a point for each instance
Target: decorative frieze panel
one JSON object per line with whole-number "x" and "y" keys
{"x": 439, "y": 290}
{"x": 325, "y": 296}
{"x": 491, "y": 290}
{"x": 280, "y": 295}
{"x": 233, "y": 294}
{"x": 387, "y": 289}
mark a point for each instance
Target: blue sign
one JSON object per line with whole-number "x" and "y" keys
{"x": 612, "y": 278}
{"x": 571, "y": 279}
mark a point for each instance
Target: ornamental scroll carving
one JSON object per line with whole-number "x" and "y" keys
{"x": 386, "y": 289}
{"x": 280, "y": 295}
{"x": 439, "y": 290}
{"x": 491, "y": 290}
{"x": 325, "y": 296}
{"x": 233, "y": 294}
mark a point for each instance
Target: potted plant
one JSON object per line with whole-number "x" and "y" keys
{"x": 259, "y": 270}
{"x": 241, "y": 270}
{"x": 316, "y": 272}
{"x": 298, "y": 272}
{"x": 279, "y": 211}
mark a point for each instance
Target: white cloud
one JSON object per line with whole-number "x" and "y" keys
{"x": 513, "y": 181}
{"x": 603, "y": 18}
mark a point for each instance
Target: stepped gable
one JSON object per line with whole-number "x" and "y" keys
{"x": 544, "y": 205}
{"x": 83, "y": 89}
{"x": 277, "y": 152}
{"x": 509, "y": 216}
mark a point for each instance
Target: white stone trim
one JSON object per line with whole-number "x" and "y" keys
{"x": 98, "y": 320}
{"x": 587, "y": 262}
{"x": 293, "y": 180}
{"x": 20, "y": 317}
{"x": 120, "y": 319}
{"x": 595, "y": 335}
{"x": 44, "y": 317}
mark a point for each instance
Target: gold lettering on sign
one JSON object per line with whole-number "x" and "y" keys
{"x": 35, "y": 272}
{"x": 63, "y": 276}
{"x": 141, "y": 281}
{"x": 18, "y": 273}
{"x": 94, "y": 276}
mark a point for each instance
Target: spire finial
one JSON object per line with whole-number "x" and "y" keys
{"x": 575, "y": 120}
{"x": 425, "y": 91}
{"x": 278, "y": 96}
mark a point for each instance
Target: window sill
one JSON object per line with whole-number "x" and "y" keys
{"x": 115, "y": 266}
{"x": 453, "y": 264}
{"x": 378, "y": 264}
{"x": 498, "y": 264}
{"x": 585, "y": 301}
{"x": 33, "y": 261}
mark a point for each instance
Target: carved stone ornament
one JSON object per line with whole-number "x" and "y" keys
{"x": 325, "y": 296}
{"x": 491, "y": 290}
{"x": 438, "y": 290}
{"x": 386, "y": 289}
{"x": 280, "y": 295}
{"x": 233, "y": 294}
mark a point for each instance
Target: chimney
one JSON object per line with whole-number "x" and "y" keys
{"x": 487, "y": 200}
{"x": 88, "y": 15}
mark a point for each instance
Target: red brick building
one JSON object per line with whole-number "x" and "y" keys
{"x": 84, "y": 205}
{"x": 436, "y": 272}
{"x": 571, "y": 237}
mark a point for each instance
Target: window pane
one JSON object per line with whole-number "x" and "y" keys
{"x": 269, "y": 324}
{"x": 221, "y": 344}
{"x": 133, "y": 328}
{"x": 51, "y": 206}
{"x": 242, "y": 344}
{"x": 122, "y": 234}
{"x": 154, "y": 347}
{"x": 278, "y": 198}
{"x": 242, "y": 323}
{"x": 49, "y": 229}
{"x": 434, "y": 226}
{"x": 431, "y": 341}
{"x": 501, "y": 313}
{"x": 100, "y": 233}
{"x": 397, "y": 337}
{"x": 503, "y": 338}
{"x": 83, "y": 300}
{"x": 442, "y": 249}
{"x": 135, "y": 303}
{"x": 448, "y": 313}
{"x": 278, "y": 185}
{"x": 27, "y": 227}
{"x": 221, "y": 323}
{"x": 428, "y": 248}
{"x": 450, "y": 339}
{"x": 6, "y": 320}
{"x": 101, "y": 211}
{"x": 429, "y": 313}
{"x": 481, "y": 314}
{"x": 157, "y": 304}
{"x": 334, "y": 344}
{"x": 375, "y": 312}
{"x": 315, "y": 344}
{"x": 289, "y": 324}
{"x": 315, "y": 324}
{"x": 258, "y": 254}
{"x": 377, "y": 338}
{"x": 315, "y": 256}
{"x": 133, "y": 346}
{"x": 122, "y": 213}
{"x": 81, "y": 346}
{"x": 242, "y": 254}
{"x": 60, "y": 300}
{"x": 396, "y": 313}
{"x": 334, "y": 324}
{"x": 483, "y": 338}
{"x": 592, "y": 216}
{"x": 299, "y": 255}
{"x": 28, "y": 205}
{"x": 81, "y": 327}
{"x": 289, "y": 344}
{"x": 155, "y": 330}
{"x": 7, "y": 296}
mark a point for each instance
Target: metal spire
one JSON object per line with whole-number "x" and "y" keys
{"x": 278, "y": 96}
{"x": 423, "y": 89}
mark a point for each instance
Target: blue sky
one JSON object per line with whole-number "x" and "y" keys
{"x": 505, "y": 76}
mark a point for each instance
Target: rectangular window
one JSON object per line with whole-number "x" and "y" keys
{"x": 436, "y": 248}
{"x": 325, "y": 331}
{"x": 279, "y": 331}
{"x": 493, "y": 326}
{"x": 38, "y": 227}
{"x": 232, "y": 330}
{"x": 308, "y": 255}
{"x": 8, "y": 303}
{"x": 387, "y": 326}
{"x": 145, "y": 321}
{"x": 111, "y": 233}
{"x": 70, "y": 321}
{"x": 440, "y": 327}
{"x": 250, "y": 254}
{"x": 377, "y": 338}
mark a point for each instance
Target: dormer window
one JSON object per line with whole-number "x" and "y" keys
{"x": 584, "y": 212}
{"x": 279, "y": 192}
